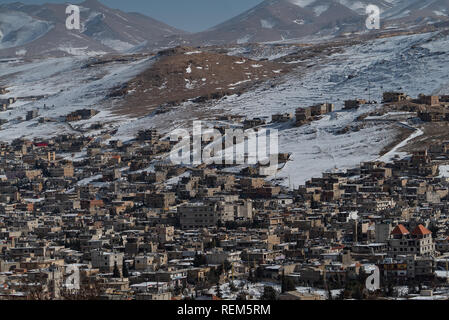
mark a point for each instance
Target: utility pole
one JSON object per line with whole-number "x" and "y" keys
{"x": 324, "y": 277}
{"x": 447, "y": 270}
{"x": 369, "y": 91}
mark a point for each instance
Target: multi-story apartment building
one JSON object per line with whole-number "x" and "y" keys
{"x": 418, "y": 242}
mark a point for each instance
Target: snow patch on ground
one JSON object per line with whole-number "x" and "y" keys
{"x": 117, "y": 45}
{"x": 302, "y": 3}
{"x": 192, "y": 52}
{"x": 319, "y": 10}
{"x": 444, "y": 171}
{"x": 394, "y": 153}
{"x": 244, "y": 39}
{"x": 267, "y": 24}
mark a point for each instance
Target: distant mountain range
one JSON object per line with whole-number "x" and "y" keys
{"x": 28, "y": 30}
{"x": 277, "y": 20}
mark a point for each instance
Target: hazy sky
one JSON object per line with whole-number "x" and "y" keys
{"x": 189, "y": 15}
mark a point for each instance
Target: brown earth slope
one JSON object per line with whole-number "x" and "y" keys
{"x": 183, "y": 74}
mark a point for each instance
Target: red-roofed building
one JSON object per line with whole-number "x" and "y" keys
{"x": 420, "y": 231}
{"x": 41, "y": 144}
{"x": 419, "y": 242}
{"x": 400, "y": 231}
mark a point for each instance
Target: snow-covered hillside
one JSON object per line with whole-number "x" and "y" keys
{"x": 413, "y": 64}
{"x": 67, "y": 84}
{"x": 18, "y": 29}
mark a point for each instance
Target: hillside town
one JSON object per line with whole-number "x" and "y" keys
{"x": 85, "y": 217}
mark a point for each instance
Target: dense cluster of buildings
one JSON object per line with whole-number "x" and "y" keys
{"x": 93, "y": 217}
{"x": 428, "y": 108}
{"x": 130, "y": 224}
